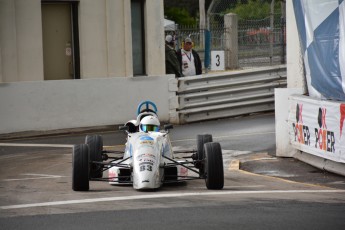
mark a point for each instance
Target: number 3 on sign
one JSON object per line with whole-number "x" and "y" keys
{"x": 217, "y": 60}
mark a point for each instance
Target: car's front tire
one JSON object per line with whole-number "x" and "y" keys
{"x": 201, "y": 140}
{"x": 95, "y": 143}
{"x": 80, "y": 168}
{"x": 213, "y": 163}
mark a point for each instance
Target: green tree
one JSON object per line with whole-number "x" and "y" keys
{"x": 254, "y": 9}
{"x": 180, "y": 16}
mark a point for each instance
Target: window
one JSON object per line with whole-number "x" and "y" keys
{"x": 138, "y": 39}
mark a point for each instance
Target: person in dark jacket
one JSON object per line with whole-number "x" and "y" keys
{"x": 189, "y": 59}
{"x": 172, "y": 65}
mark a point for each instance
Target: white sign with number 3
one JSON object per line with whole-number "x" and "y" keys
{"x": 217, "y": 60}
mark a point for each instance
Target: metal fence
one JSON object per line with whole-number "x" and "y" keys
{"x": 258, "y": 44}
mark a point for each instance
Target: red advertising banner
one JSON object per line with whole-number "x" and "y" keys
{"x": 317, "y": 127}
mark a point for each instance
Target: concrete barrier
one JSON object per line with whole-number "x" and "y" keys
{"x": 51, "y": 105}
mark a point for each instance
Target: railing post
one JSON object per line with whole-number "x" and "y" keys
{"x": 282, "y": 40}
{"x": 207, "y": 60}
{"x": 271, "y": 32}
{"x": 231, "y": 41}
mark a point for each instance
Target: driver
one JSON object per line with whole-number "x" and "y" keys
{"x": 149, "y": 124}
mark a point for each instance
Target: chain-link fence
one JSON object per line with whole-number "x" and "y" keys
{"x": 259, "y": 43}
{"x": 196, "y": 34}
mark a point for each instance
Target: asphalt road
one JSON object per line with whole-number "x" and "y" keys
{"x": 264, "y": 193}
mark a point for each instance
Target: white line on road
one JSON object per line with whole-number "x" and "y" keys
{"x": 235, "y": 186}
{"x": 35, "y": 145}
{"x": 38, "y": 176}
{"x": 140, "y": 197}
{"x": 11, "y": 156}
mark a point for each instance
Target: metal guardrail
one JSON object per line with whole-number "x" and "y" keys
{"x": 229, "y": 94}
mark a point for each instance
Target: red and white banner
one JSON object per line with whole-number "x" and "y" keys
{"x": 317, "y": 127}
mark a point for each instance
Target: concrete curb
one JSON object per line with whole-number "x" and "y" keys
{"x": 234, "y": 165}
{"x": 57, "y": 132}
{"x": 321, "y": 163}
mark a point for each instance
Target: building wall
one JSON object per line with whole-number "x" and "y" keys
{"x": 154, "y": 32}
{"x": 294, "y": 60}
{"x": 64, "y": 104}
{"x": 21, "y": 40}
{"x": 295, "y": 85}
{"x": 107, "y": 93}
{"x": 104, "y": 36}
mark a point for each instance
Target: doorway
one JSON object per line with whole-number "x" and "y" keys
{"x": 60, "y": 41}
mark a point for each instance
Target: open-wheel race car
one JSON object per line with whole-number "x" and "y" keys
{"x": 148, "y": 160}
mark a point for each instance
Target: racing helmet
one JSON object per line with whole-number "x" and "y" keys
{"x": 149, "y": 124}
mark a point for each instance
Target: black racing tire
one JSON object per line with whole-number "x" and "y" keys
{"x": 80, "y": 168}
{"x": 200, "y": 141}
{"x": 214, "y": 170}
{"x": 95, "y": 143}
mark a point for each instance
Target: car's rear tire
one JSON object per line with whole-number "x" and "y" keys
{"x": 200, "y": 141}
{"x": 95, "y": 143}
{"x": 214, "y": 171}
{"x": 80, "y": 168}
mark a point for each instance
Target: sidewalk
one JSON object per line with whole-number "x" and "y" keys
{"x": 291, "y": 169}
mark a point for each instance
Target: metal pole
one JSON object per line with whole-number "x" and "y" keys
{"x": 202, "y": 22}
{"x": 207, "y": 60}
{"x": 271, "y": 32}
{"x": 283, "y": 29}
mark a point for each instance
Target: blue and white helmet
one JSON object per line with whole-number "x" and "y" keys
{"x": 149, "y": 124}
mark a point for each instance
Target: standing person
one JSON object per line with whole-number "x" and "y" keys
{"x": 189, "y": 59}
{"x": 172, "y": 65}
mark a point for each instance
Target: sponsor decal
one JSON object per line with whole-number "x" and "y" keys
{"x": 146, "y": 155}
{"x": 112, "y": 175}
{"x": 317, "y": 127}
{"x": 146, "y": 158}
{"x": 146, "y": 138}
{"x": 325, "y": 139}
{"x": 147, "y": 142}
{"x": 342, "y": 118}
{"x": 183, "y": 171}
{"x": 147, "y": 163}
{"x": 145, "y": 167}
{"x": 302, "y": 134}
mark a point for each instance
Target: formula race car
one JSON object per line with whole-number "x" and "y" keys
{"x": 148, "y": 160}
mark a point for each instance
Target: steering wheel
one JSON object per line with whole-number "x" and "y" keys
{"x": 147, "y": 108}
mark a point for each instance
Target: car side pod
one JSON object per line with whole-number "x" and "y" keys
{"x": 213, "y": 165}
{"x": 124, "y": 128}
{"x": 80, "y": 167}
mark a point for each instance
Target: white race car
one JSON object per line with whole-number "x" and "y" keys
{"x": 148, "y": 160}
